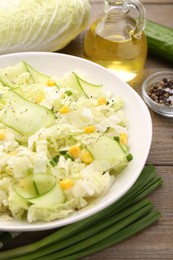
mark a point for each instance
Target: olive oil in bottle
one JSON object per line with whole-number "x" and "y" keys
{"x": 116, "y": 40}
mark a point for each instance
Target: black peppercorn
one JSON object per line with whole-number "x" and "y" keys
{"x": 162, "y": 92}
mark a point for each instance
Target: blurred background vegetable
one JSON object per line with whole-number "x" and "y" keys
{"x": 40, "y": 25}
{"x": 160, "y": 40}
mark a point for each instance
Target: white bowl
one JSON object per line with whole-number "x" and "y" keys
{"x": 140, "y": 128}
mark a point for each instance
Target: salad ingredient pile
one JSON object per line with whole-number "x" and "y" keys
{"x": 62, "y": 142}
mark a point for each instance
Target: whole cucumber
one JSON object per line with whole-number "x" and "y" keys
{"x": 160, "y": 40}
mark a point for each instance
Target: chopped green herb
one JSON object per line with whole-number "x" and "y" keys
{"x": 68, "y": 156}
{"x": 129, "y": 157}
{"x": 63, "y": 152}
{"x": 54, "y": 160}
{"x": 116, "y": 138}
{"x": 69, "y": 93}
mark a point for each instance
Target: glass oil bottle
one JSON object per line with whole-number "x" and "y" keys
{"x": 117, "y": 40}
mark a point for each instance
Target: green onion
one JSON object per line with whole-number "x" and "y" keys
{"x": 96, "y": 233}
{"x": 68, "y": 156}
{"x": 129, "y": 157}
{"x": 116, "y": 238}
{"x": 63, "y": 152}
{"x": 54, "y": 160}
{"x": 129, "y": 213}
{"x": 116, "y": 138}
{"x": 99, "y": 231}
{"x": 69, "y": 93}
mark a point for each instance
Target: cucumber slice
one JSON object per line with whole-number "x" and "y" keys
{"x": 73, "y": 81}
{"x": 38, "y": 77}
{"x": 35, "y": 185}
{"x": 43, "y": 182}
{"x": 3, "y": 93}
{"x": 53, "y": 197}
{"x": 90, "y": 89}
{"x": 26, "y": 188}
{"x": 25, "y": 116}
{"x": 70, "y": 81}
{"x": 9, "y": 75}
{"x": 107, "y": 149}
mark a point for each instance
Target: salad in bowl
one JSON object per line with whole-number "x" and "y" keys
{"x": 62, "y": 141}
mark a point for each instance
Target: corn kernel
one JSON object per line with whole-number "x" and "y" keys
{"x": 74, "y": 151}
{"x": 2, "y": 135}
{"x": 66, "y": 184}
{"x": 123, "y": 139}
{"x": 51, "y": 83}
{"x": 13, "y": 153}
{"x": 86, "y": 157}
{"x": 102, "y": 101}
{"x": 39, "y": 98}
{"x": 64, "y": 110}
{"x": 89, "y": 129}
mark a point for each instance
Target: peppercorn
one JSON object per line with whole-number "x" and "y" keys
{"x": 162, "y": 92}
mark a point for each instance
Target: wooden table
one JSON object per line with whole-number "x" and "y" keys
{"x": 155, "y": 242}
